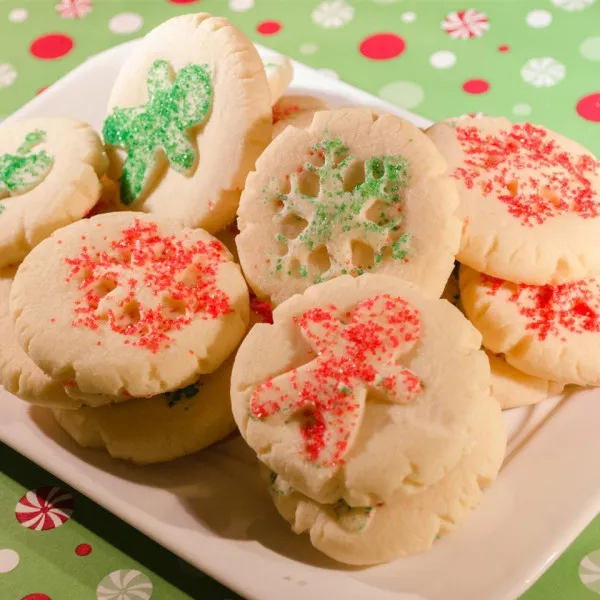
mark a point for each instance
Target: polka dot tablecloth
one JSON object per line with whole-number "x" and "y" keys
{"x": 525, "y": 59}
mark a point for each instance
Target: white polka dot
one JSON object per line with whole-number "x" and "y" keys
{"x": 409, "y": 17}
{"x": 403, "y": 93}
{"x": 538, "y": 18}
{"x": 125, "y": 23}
{"x": 329, "y": 73}
{"x": 442, "y": 59}
{"x": 308, "y": 48}
{"x": 18, "y": 15}
{"x": 521, "y": 110}
{"x": 241, "y": 5}
{"x": 9, "y": 559}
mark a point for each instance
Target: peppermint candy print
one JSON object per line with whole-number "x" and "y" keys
{"x": 332, "y": 15}
{"x": 125, "y": 585}
{"x": 465, "y": 24}
{"x": 543, "y": 72}
{"x": 44, "y": 508}
{"x": 74, "y": 9}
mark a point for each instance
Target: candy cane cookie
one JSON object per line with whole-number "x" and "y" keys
{"x": 408, "y": 523}
{"x": 189, "y": 114}
{"x": 50, "y": 170}
{"x": 361, "y": 387}
{"x": 127, "y": 304}
{"x": 550, "y": 332}
{"x": 529, "y": 200}
{"x": 352, "y": 193}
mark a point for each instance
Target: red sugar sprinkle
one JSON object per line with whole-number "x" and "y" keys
{"x": 553, "y": 310}
{"x": 355, "y": 351}
{"x": 179, "y": 277}
{"x": 281, "y": 112}
{"x": 557, "y": 183}
{"x": 262, "y": 308}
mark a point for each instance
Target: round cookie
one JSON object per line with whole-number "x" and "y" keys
{"x": 550, "y": 332}
{"x": 363, "y": 386}
{"x": 513, "y": 388}
{"x": 158, "y": 429}
{"x": 279, "y": 72}
{"x": 296, "y": 110}
{"x": 127, "y": 304}
{"x": 49, "y": 177}
{"x": 409, "y": 523}
{"x": 18, "y": 374}
{"x": 192, "y": 108}
{"x": 509, "y": 386}
{"x": 523, "y": 187}
{"x": 352, "y": 193}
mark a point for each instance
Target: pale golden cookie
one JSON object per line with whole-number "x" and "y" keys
{"x": 296, "y": 110}
{"x": 193, "y": 108}
{"x": 353, "y": 193}
{"x": 529, "y": 200}
{"x": 49, "y": 177}
{"x": 18, "y": 374}
{"x": 279, "y": 72}
{"x": 550, "y": 332}
{"x": 126, "y": 304}
{"x": 158, "y": 429}
{"x": 362, "y": 387}
{"x": 408, "y": 523}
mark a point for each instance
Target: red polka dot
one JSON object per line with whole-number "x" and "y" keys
{"x": 83, "y": 550}
{"x": 51, "y": 46}
{"x": 382, "y": 46}
{"x": 503, "y": 48}
{"x": 268, "y": 27}
{"x": 42, "y": 89}
{"x": 476, "y": 86}
{"x": 183, "y": 1}
{"x": 589, "y": 107}
{"x": 36, "y": 597}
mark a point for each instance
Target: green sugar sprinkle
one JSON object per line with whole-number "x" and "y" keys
{"x": 175, "y": 105}
{"x": 189, "y": 391}
{"x": 22, "y": 171}
{"x": 336, "y": 211}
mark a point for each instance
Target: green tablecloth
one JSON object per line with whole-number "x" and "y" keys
{"x": 526, "y": 59}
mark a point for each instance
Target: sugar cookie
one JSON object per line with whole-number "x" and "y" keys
{"x": 158, "y": 429}
{"x": 410, "y": 522}
{"x": 192, "y": 108}
{"x": 49, "y": 177}
{"x": 352, "y": 193}
{"x": 522, "y": 189}
{"x": 295, "y": 110}
{"x": 18, "y": 374}
{"x": 279, "y": 72}
{"x": 126, "y": 304}
{"x": 551, "y": 332}
{"x": 362, "y": 386}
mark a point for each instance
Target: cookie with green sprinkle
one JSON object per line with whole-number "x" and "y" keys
{"x": 353, "y": 193}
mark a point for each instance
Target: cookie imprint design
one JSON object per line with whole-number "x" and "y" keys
{"x": 553, "y": 310}
{"x": 356, "y": 352}
{"x": 24, "y": 170}
{"x": 556, "y": 183}
{"x": 175, "y": 105}
{"x": 148, "y": 286}
{"x": 340, "y": 216}
{"x": 185, "y": 393}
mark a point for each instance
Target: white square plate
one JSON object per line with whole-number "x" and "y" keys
{"x": 210, "y": 508}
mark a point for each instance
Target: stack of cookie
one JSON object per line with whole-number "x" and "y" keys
{"x": 530, "y": 273}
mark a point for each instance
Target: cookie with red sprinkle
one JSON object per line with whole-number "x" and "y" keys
{"x": 188, "y": 115}
{"x": 296, "y": 110}
{"x": 529, "y": 200}
{"x": 361, "y": 387}
{"x": 353, "y": 193}
{"x": 127, "y": 304}
{"x": 549, "y": 331}
{"x": 408, "y": 523}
